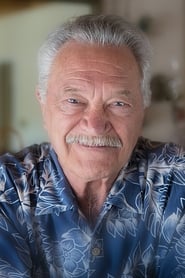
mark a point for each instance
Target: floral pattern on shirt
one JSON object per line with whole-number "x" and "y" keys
{"x": 140, "y": 231}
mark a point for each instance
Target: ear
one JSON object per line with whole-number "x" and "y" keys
{"x": 42, "y": 104}
{"x": 38, "y": 95}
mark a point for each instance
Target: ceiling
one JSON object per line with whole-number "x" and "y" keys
{"x": 10, "y": 6}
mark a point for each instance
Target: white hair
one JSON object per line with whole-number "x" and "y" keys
{"x": 102, "y": 30}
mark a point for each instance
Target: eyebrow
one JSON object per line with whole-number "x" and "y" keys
{"x": 126, "y": 93}
{"x": 70, "y": 89}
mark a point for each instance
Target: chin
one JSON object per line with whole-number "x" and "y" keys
{"x": 97, "y": 172}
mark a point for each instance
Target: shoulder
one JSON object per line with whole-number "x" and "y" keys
{"x": 32, "y": 154}
{"x": 160, "y": 153}
{"x": 23, "y": 164}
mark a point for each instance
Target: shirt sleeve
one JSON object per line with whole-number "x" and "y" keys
{"x": 15, "y": 257}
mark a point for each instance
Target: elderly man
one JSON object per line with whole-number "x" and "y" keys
{"x": 98, "y": 200}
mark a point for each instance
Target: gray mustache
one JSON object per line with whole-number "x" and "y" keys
{"x": 94, "y": 141}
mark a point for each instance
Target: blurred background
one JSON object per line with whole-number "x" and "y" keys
{"x": 25, "y": 24}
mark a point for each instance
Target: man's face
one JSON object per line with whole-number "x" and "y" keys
{"x": 93, "y": 96}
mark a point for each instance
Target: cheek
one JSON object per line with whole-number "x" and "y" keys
{"x": 59, "y": 126}
{"x": 129, "y": 128}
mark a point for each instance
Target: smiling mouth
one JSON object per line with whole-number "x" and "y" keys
{"x": 94, "y": 141}
{"x": 94, "y": 146}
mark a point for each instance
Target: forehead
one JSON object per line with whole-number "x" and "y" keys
{"x": 74, "y": 56}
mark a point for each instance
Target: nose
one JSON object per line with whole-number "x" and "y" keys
{"x": 96, "y": 121}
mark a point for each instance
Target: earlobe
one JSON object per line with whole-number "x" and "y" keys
{"x": 38, "y": 95}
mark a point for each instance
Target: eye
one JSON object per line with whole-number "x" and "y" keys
{"x": 118, "y": 103}
{"x": 119, "y": 107}
{"x": 73, "y": 100}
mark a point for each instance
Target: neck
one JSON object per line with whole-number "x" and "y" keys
{"x": 90, "y": 201}
{"x": 91, "y": 196}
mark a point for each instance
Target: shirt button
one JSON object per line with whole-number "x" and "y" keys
{"x": 96, "y": 251}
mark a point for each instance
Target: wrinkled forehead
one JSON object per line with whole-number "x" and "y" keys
{"x": 94, "y": 57}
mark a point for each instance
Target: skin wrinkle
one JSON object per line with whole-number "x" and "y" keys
{"x": 97, "y": 71}
{"x": 71, "y": 88}
{"x": 67, "y": 92}
{"x": 87, "y": 80}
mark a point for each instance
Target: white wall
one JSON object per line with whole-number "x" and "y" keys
{"x": 168, "y": 39}
{"x": 21, "y": 35}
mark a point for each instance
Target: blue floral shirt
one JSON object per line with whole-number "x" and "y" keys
{"x": 140, "y": 231}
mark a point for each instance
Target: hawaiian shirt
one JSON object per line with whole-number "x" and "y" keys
{"x": 140, "y": 231}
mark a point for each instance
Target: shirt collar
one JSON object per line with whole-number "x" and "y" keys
{"x": 128, "y": 188}
{"x": 56, "y": 195}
